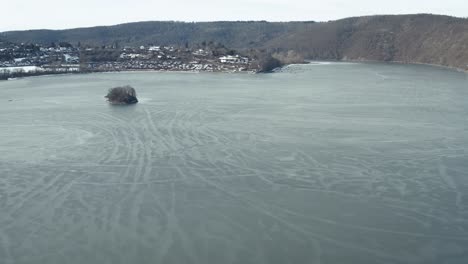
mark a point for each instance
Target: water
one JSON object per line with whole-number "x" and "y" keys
{"x": 321, "y": 163}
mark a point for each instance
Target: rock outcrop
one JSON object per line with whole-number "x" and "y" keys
{"x": 122, "y": 95}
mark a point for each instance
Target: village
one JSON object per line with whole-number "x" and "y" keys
{"x": 18, "y": 60}
{"x": 168, "y": 58}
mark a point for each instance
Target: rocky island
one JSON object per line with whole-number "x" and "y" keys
{"x": 122, "y": 95}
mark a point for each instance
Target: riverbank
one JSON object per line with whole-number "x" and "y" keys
{"x": 276, "y": 70}
{"x": 15, "y": 76}
{"x": 38, "y": 74}
{"x": 407, "y": 63}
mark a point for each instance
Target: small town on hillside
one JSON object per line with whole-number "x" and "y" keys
{"x": 18, "y": 60}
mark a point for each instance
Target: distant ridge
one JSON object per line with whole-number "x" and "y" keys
{"x": 420, "y": 38}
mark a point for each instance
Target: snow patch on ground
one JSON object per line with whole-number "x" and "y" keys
{"x": 21, "y": 68}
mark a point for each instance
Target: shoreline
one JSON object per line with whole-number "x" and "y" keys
{"x": 175, "y": 71}
{"x": 451, "y": 68}
{"x": 39, "y": 75}
{"x": 432, "y": 65}
{"x": 123, "y": 71}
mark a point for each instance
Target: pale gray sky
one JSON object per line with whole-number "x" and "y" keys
{"x": 59, "y": 14}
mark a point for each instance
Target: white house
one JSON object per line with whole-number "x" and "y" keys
{"x": 234, "y": 59}
{"x": 154, "y": 48}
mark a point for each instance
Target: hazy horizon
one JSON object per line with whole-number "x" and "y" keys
{"x": 59, "y": 14}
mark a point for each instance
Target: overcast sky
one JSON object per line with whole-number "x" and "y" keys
{"x": 59, "y": 14}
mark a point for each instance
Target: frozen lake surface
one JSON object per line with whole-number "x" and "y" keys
{"x": 323, "y": 163}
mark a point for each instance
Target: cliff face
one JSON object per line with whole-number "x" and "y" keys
{"x": 431, "y": 39}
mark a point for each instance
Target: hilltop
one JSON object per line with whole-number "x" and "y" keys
{"x": 421, "y": 38}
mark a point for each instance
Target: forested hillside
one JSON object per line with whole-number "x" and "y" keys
{"x": 235, "y": 34}
{"x": 421, "y": 38}
{"x": 427, "y": 39}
